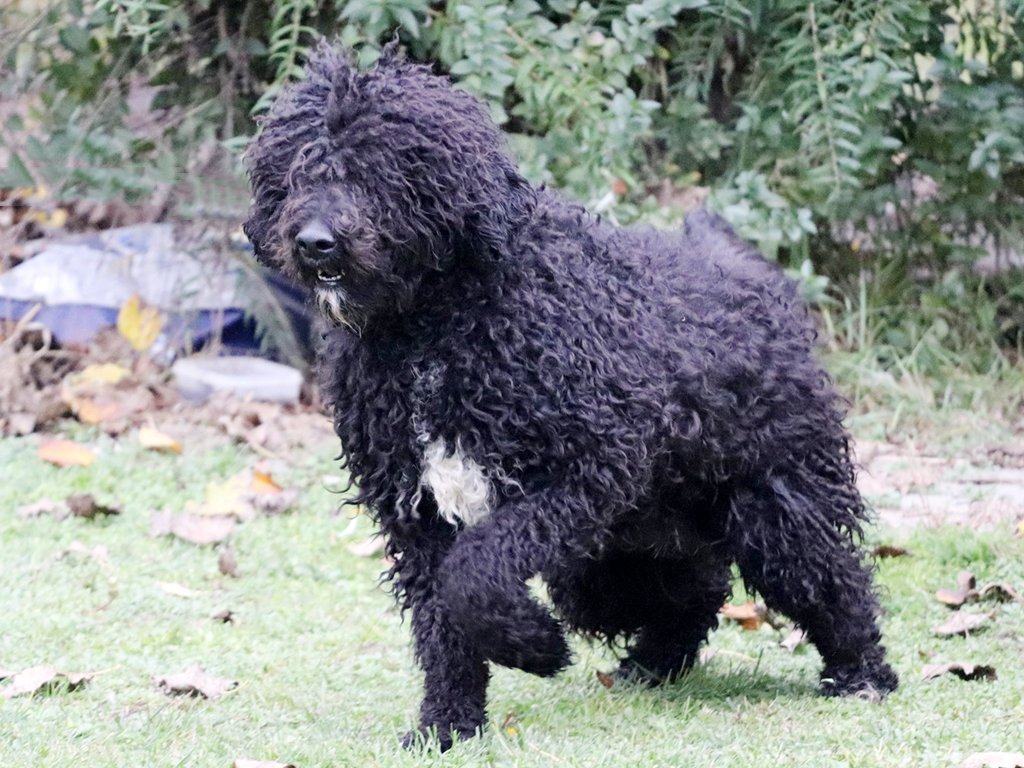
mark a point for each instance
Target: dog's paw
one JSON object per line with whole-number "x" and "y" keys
{"x": 442, "y": 738}
{"x": 871, "y": 682}
{"x": 539, "y": 647}
{"x": 635, "y": 672}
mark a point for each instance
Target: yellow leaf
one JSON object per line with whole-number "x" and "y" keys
{"x": 56, "y": 218}
{"x": 139, "y": 324}
{"x": 158, "y": 441}
{"x": 65, "y": 453}
{"x": 109, "y": 373}
{"x": 224, "y": 498}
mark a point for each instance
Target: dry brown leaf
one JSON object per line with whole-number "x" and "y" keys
{"x": 44, "y": 507}
{"x": 605, "y": 679}
{"x": 1001, "y": 592}
{"x": 155, "y": 440}
{"x": 139, "y": 324}
{"x": 367, "y": 548}
{"x": 953, "y": 598}
{"x": 99, "y": 553}
{"x": 274, "y": 503}
{"x": 750, "y": 615}
{"x": 888, "y": 550}
{"x": 195, "y": 681}
{"x": 65, "y": 453}
{"x": 90, "y": 411}
{"x": 794, "y": 639}
{"x": 196, "y": 529}
{"x": 964, "y": 593}
{"x": 962, "y": 624}
{"x": 226, "y": 562}
{"x": 43, "y": 680}
{"x": 241, "y": 763}
{"x": 177, "y": 590}
{"x": 963, "y": 670}
{"x": 965, "y": 581}
{"x": 85, "y": 506}
{"x": 994, "y": 760}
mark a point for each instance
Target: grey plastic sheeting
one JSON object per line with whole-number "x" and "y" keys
{"x": 83, "y": 281}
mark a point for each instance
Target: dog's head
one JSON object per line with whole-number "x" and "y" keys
{"x": 364, "y": 181}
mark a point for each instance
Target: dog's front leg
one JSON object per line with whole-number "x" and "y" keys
{"x": 483, "y": 579}
{"x": 455, "y": 671}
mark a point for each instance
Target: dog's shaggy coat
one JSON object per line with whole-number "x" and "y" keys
{"x": 521, "y": 389}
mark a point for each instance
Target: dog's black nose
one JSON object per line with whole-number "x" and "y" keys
{"x": 315, "y": 241}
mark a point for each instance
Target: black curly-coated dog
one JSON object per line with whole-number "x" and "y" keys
{"x": 521, "y": 389}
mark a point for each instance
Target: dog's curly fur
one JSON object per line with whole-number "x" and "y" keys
{"x": 644, "y": 407}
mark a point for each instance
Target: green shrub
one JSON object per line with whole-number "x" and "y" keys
{"x": 854, "y": 140}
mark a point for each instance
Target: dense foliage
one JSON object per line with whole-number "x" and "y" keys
{"x": 866, "y": 141}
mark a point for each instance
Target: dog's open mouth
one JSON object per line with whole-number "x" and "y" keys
{"x": 327, "y": 277}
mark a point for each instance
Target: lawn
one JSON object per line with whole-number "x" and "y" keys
{"x": 324, "y": 670}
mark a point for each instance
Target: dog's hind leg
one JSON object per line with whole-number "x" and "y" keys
{"x": 665, "y": 606}
{"x": 456, "y": 675}
{"x": 681, "y": 601}
{"x": 790, "y": 551}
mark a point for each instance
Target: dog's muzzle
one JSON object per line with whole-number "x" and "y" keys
{"x": 318, "y": 252}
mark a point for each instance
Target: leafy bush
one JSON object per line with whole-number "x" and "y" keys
{"x": 850, "y": 138}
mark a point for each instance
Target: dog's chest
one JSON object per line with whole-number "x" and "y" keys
{"x": 459, "y": 484}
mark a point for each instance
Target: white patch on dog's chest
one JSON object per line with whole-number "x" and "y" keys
{"x": 459, "y": 485}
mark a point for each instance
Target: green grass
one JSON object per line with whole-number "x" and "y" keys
{"x": 325, "y": 671}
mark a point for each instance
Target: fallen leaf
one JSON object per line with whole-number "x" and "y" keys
{"x": 196, "y": 529}
{"x": 226, "y": 562}
{"x": 965, "y": 581}
{"x": 107, "y": 373}
{"x": 262, "y": 482}
{"x": 962, "y": 624}
{"x": 368, "y": 548}
{"x": 44, "y": 507}
{"x": 994, "y": 760}
{"x": 99, "y": 553}
{"x": 177, "y": 590}
{"x": 510, "y": 725}
{"x": 195, "y": 681}
{"x": 1001, "y": 592}
{"x": 93, "y": 412}
{"x": 964, "y": 592}
{"x": 241, "y": 763}
{"x": 227, "y": 616}
{"x": 43, "y": 680}
{"x": 794, "y": 639}
{"x": 65, "y": 453}
{"x": 750, "y": 615}
{"x": 227, "y": 497}
{"x": 605, "y": 679}
{"x": 953, "y": 598}
{"x": 274, "y": 503}
{"x": 139, "y": 324}
{"x": 155, "y": 440}
{"x": 888, "y": 550}
{"x": 963, "y": 670}
{"x": 84, "y": 505}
